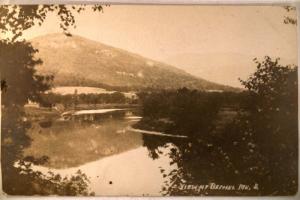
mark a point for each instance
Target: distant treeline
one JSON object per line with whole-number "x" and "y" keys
{"x": 51, "y": 99}
{"x": 80, "y": 81}
{"x": 190, "y": 111}
{"x": 84, "y": 82}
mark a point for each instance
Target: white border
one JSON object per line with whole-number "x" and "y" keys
{"x": 295, "y": 3}
{"x": 185, "y": 2}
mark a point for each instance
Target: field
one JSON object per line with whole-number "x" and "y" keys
{"x": 64, "y": 90}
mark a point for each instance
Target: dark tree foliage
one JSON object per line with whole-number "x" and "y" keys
{"x": 184, "y": 111}
{"x": 20, "y": 83}
{"x": 273, "y": 104}
{"x": 258, "y": 148}
{"x": 273, "y": 123}
{"x": 3, "y": 85}
{"x": 15, "y": 19}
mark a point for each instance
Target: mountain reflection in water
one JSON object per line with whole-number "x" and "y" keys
{"x": 131, "y": 167}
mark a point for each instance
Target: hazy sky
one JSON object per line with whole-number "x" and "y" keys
{"x": 212, "y": 42}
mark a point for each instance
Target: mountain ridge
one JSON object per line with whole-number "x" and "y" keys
{"x": 83, "y": 62}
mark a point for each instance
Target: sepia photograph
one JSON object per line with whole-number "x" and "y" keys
{"x": 149, "y": 100}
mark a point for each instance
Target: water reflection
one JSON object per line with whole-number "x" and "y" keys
{"x": 129, "y": 173}
{"x": 73, "y": 143}
{"x": 118, "y": 161}
{"x": 197, "y": 168}
{"x": 115, "y": 160}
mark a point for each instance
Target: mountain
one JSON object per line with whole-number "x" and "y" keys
{"x": 76, "y": 61}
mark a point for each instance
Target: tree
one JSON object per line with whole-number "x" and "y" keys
{"x": 20, "y": 83}
{"x": 18, "y": 69}
{"x": 183, "y": 111}
{"x": 269, "y": 126}
{"x": 272, "y": 87}
{"x": 18, "y": 18}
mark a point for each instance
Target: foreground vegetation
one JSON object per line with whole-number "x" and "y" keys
{"x": 256, "y": 146}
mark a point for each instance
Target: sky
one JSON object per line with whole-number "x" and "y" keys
{"x": 217, "y": 43}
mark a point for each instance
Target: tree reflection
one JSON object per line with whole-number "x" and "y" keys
{"x": 196, "y": 163}
{"x": 21, "y": 179}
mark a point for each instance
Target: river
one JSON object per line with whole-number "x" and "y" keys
{"x": 116, "y": 159}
